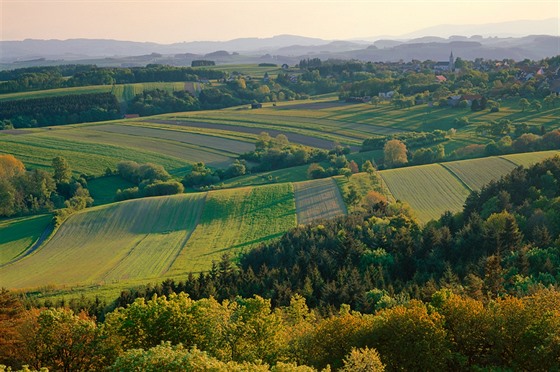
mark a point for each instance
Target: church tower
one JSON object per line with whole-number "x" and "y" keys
{"x": 451, "y": 62}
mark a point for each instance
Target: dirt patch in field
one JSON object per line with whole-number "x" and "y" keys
{"x": 15, "y": 132}
{"x": 314, "y": 105}
{"x": 318, "y": 199}
{"x": 293, "y": 137}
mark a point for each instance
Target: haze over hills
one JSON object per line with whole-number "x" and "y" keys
{"x": 490, "y": 41}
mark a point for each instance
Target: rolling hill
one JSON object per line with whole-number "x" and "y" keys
{"x": 171, "y": 236}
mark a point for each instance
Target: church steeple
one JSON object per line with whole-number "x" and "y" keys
{"x": 451, "y": 62}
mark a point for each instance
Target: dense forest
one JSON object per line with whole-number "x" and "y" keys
{"x": 473, "y": 291}
{"x": 59, "y": 110}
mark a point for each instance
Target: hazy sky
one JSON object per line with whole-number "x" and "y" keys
{"x": 170, "y": 21}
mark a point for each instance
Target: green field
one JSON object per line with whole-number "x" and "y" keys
{"x": 103, "y": 189}
{"x": 144, "y": 239}
{"x": 318, "y": 199}
{"x": 135, "y": 239}
{"x": 236, "y": 220}
{"x": 17, "y": 235}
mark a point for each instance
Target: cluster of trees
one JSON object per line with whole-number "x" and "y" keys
{"x": 50, "y": 77}
{"x": 410, "y": 139}
{"x": 153, "y": 102}
{"x": 150, "y": 180}
{"x": 201, "y": 176}
{"x": 177, "y": 333}
{"x": 76, "y": 108}
{"x": 277, "y": 152}
{"x": 24, "y": 192}
{"x": 337, "y": 165}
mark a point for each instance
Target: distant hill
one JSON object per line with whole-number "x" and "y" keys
{"x": 492, "y": 41}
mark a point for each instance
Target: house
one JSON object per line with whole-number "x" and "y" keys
{"x": 256, "y": 105}
{"x": 364, "y": 99}
{"x": 386, "y": 95}
{"x": 555, "y": 87}
{"x": 131, "y": 116}
{"x": 440, "y": 79}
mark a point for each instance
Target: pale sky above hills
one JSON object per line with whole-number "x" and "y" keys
{"x": 169, "y": 21}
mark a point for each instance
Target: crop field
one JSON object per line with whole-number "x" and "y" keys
{"x": 476, "y": 173}
{"x": 435, "y": 188}
{"x": 128, "y": 240}
{"x": 123, "y": 92}
{"x": 209, "y": 142}
{"x": 18, "y": 235}
{"x": 37, "y": 149}
{"x": 237, "y": 220}
{"x": 527, "y": 159}
{"x": 318, "y": 199}
{"x": 430, "y": 189}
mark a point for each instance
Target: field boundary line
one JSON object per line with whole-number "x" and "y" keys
{"x": 36, "y": 244}
{"x": 456, "y": 176}
{"x": 386, "y": 189}
{"x": 511, "y": 161}
{"x": 186, "y": 240}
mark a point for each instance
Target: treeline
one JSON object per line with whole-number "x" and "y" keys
{"x": 75, "y": 108}
{"x": 410, "y": 139}
{"x": 176, "y": 333}
{"x": 39, "y": 78}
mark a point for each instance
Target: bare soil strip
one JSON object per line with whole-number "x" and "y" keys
{"x": 318, "y": 199}
{"x": 293, "y": 137}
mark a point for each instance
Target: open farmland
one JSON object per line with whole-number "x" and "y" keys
{"x": 127, "y": 240}
{"x": 17, "y": 235}
{"x": 318, "y": 199}
{"x": 435, "y": 188}
{"x": 37, "y": 149}
{"x": 429, "y": 189}
{"x": 236, "y": 220}
{"x": 476, "y": 173}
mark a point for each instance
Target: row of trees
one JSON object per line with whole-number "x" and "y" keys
{"x": 39, "y": 78}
